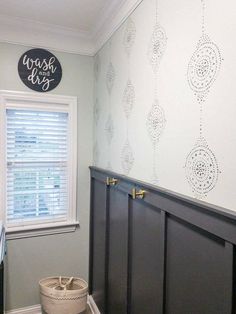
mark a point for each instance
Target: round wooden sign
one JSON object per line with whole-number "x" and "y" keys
{"x": 39, "y": 70}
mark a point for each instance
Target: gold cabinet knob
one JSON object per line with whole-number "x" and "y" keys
{"x": 111, "y": 181}
{"x": 137, "y": 194}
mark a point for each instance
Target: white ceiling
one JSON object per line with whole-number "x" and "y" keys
{"x": 81, "y": 15}
{"x": 78, "y": 26}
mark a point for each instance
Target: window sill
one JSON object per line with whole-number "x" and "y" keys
{"x": 37, "y": 230}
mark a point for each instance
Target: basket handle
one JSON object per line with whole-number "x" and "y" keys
{"x": 64, "y": 287}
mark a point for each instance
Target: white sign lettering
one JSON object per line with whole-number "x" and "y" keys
{"x": 40, "y": 70}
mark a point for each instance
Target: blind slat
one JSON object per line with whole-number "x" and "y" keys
{"x": 41, "y": 204}
{"x": 39, "y": 142}
{"x": 39, "y": 137}
{"x": 37, "y": 156}
{"x": 24, "y": 218}
{"x": 28, "y": 122}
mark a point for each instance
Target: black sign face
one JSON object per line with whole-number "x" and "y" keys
{"x": 39, "y": 70}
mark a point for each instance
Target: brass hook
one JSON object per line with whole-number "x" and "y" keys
{"x": 111, "y": 181}
{"x": 137, "y": 194}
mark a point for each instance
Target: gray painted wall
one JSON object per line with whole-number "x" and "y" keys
{"x": 30, "y": 259}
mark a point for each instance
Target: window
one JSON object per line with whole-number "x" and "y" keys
{"x": 39, "y": 165}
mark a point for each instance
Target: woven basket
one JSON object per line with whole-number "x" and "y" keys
{"x": 63, "y": 295}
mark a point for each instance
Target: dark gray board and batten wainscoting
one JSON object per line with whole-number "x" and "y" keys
{"x": 165, "y": 253}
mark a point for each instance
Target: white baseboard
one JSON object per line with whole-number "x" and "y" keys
{"x": 93, "y": 306}
{"x": 36, "y": 309}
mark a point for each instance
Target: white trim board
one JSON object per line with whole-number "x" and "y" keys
{"x": 93, "y": 306}
{"x": 36, "y": 309}
{"x": 68, "y": 104}
{"x": 29, "y": 33}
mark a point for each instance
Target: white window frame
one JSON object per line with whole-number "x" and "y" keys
{"x": 36, "y": 101}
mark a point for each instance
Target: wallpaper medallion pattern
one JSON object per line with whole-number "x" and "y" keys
{"x": 156, "y": 122}
{"x": 201, "y": 164}
{"x": 127, "y": 158}
{"x": 157, "y": 46}
{"x": 110, "y": 77}
{"x": 127, "y": 155}
{"x": 97, "y": 66}
{"x": 147, "y": 84}
{"x": 204, "y": 67}
{"x": 128, "y": 99}
{"x": 109, "y": 125}
{"x": 96, "y": 110}
{"x": 156, "y": 117}
{"x": 129, "y": 36}
{"x": 96, "y": 116}
{"x": 202, "y": 169}
{"x": 95, "y": 154}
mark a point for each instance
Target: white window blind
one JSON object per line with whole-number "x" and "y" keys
{"x": 37, "y": 166}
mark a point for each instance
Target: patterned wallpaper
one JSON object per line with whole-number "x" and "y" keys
{"x": 163, "y": 102}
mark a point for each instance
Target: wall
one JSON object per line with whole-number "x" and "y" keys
{"x": 35, "y": 258}
{"x": 165, "y": 107}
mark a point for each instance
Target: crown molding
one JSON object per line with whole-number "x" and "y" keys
{"x": 111, "y": 21}
{"x": 29, "y": 33}
{"x": 49, "y": 36}
{"x": 106, "y": 16}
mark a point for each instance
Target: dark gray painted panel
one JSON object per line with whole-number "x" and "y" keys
{"x": 2, "y": 290}
{"x": 145, "y": 258}
{"x": 196, "y": 245}
{"x": 215, "y": 223}
{"x": 196, "y": 264}
{"x": 98, "y": 238}
{"x": 234, "y": 281}
{"x": 118, "y": 241}
{"x": 157, "y": 193}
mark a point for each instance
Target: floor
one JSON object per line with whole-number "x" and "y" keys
{"x": 88, "y": 311}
